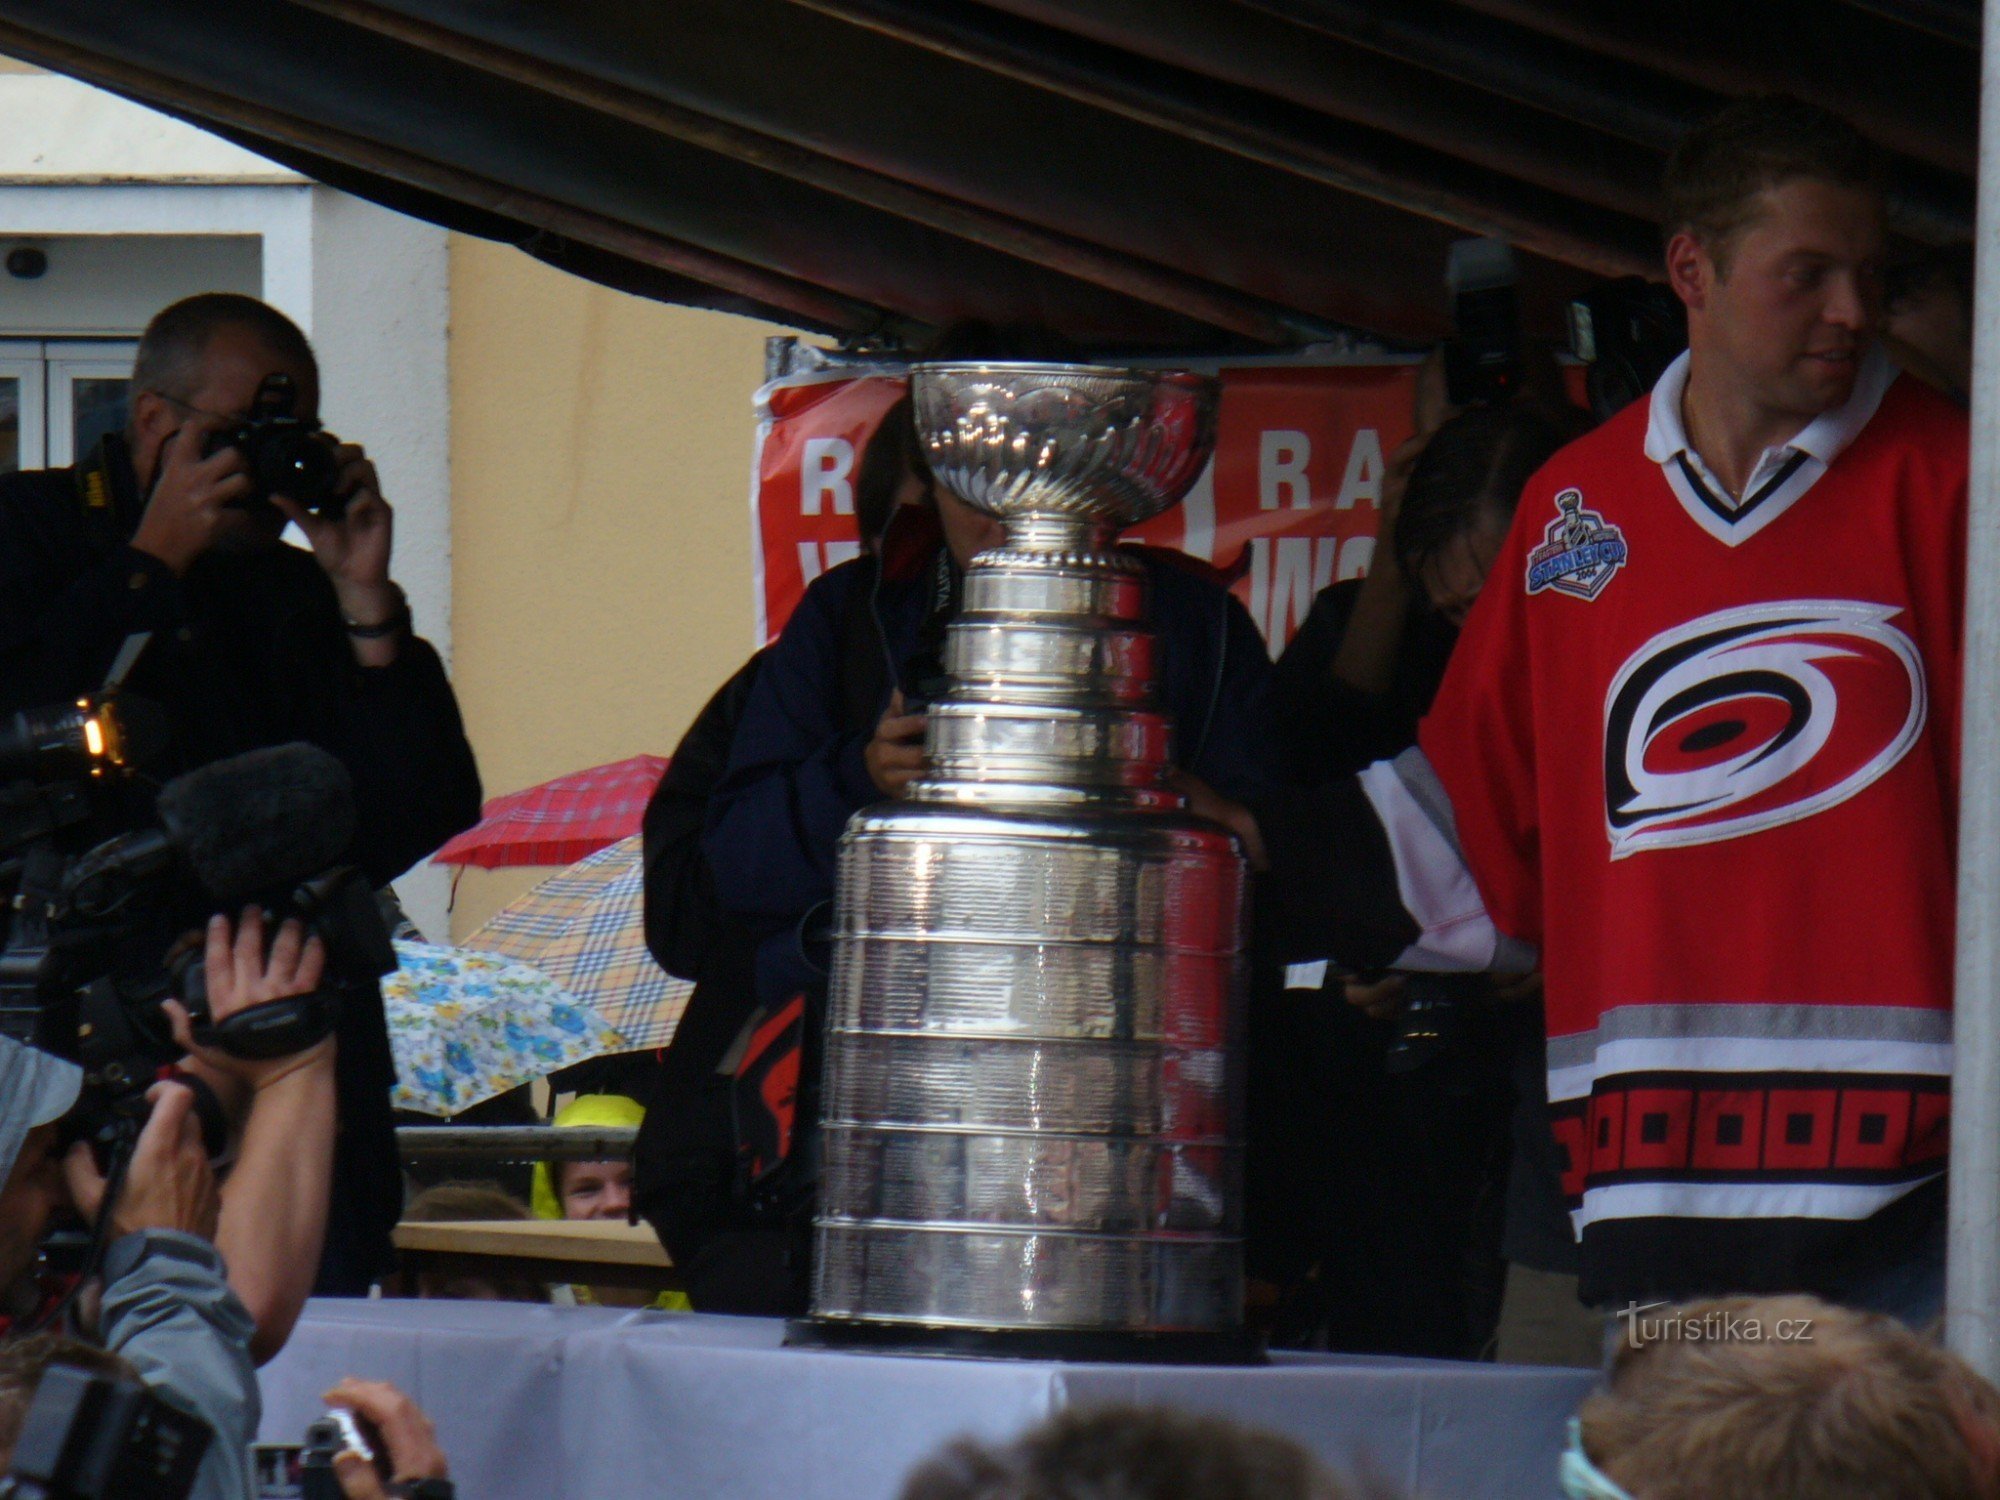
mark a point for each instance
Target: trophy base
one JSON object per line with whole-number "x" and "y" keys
{"x": 1057, "y": 1345}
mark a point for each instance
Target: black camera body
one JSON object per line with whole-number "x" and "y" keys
{"x": 92, "y": 1436}
{"x": 305, "y": 1471}
{"x": 287, "y": 455}
{"x": 1483, "y": 363}
{"x": 1627, "y": 331}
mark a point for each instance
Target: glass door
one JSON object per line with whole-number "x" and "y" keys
{"x": 23, "y": 392}
{"x": 89, "y": 389}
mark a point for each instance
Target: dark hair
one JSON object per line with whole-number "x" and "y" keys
{"x": 22, "y": 1362}
{"x": 892, "y": 452}
{"x": 1475, "y": 465}
{"x": 1718, "y": 169}
{"x": 1127, "y": 1453}
{"x": 455, "y": 1202}
{"x": 1949, "y": 266}
{"x": 170, "y": 350}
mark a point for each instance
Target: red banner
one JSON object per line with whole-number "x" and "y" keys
{"x": 1288, "y": 506}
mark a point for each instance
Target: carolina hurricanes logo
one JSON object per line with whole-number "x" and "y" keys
{"x": 1754, "y": 717}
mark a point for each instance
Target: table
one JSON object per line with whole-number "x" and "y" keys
{"x": 549, "y": 1403}
{"x": 593, "y": 1252}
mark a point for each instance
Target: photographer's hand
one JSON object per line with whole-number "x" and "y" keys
{"x": 406, "y": 1432}
{"x": 168, "y": 1184}
{"x": 1382, "y": 1000}
{"x": 354, "y": 551}
{"x": 241, "y": 975}
{"x": 192, "y": 496}
{"x": 273, "y": 1219}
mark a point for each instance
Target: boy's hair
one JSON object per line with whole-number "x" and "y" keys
{"x": 1127, "y": 1453}
{"x": 22, "y": 1362}
{"x": 456, "y": 1202}
{"x": 1720, "y": 167}
{"x": 1859, "y": 1406}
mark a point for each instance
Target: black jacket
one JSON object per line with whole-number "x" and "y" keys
{"x": 1322, "y": 727}
{"x": 247, "y": 650}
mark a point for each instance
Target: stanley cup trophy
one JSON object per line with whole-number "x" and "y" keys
{"x": 1032, "y": 1134}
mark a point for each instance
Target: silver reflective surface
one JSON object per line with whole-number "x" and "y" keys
{"x": 1030, "y": 1098}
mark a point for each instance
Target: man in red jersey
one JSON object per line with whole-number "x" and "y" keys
{"x": 1697, "y": 754}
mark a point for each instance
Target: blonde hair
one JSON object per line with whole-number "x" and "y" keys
{"x": 1132, "y": 1453}
{"x": 1751, "y": 1398}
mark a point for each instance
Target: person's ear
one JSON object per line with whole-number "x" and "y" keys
{"x": 1690, "y": 270}
{"x": 152, "y": 421}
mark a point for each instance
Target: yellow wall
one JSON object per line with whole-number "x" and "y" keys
{"x": 600, "y": 451}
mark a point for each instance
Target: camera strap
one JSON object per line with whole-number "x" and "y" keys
{"x": 107, "y": 491}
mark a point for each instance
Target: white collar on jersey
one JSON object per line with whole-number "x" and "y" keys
{"x": 1785, "y": 471}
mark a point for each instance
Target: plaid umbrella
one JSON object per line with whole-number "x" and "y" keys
{"x": 559, "y": 821}
{"x": 584, "y": 928}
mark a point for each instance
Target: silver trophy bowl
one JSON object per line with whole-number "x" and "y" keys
{"x": 1116, "y": 446}
{"x": 1032, "y": 1134}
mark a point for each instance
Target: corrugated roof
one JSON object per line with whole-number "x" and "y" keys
{"x": 1166, "y": 174}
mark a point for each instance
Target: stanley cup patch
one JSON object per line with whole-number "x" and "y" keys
{"x": 1579, "y": 551}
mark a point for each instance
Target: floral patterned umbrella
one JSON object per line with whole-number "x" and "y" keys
{"x": 467, "y": 1026}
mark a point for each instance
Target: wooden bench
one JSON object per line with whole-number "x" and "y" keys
{"x": 589, "y": 1252}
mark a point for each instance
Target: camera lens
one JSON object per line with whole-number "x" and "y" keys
{"x": 298, "y": 465}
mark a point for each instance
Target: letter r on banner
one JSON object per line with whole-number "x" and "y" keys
{"x": 1282, "y": 457}
{"x": 824, "y": 469}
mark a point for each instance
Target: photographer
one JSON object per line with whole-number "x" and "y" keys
{"x": 162, "y": 530}
{"x": 166, "y": 1308}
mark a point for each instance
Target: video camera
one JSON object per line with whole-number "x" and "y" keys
{"x": 92, "y": 1436}
{"x": 1483, "y": 363}
{"x": 101, "y": 899}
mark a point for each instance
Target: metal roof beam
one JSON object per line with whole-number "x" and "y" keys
{"x": 1190, "y": 296}
{"x": 1471, "y": 132}
{"x": 1560, "y": 79}
{"x": 1835, "y": 58}
{"x": 812, "y": 306}
{"x": 1562, "y": 230}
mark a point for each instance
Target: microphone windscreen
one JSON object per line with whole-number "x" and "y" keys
{"x": 259, "y": 822}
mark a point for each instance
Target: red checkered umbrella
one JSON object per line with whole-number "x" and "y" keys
{"x": 562, "y": 821}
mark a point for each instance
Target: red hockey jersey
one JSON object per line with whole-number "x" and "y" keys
{"x": 1704, "y": 758}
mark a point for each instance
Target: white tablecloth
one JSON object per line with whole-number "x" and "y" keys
{"x": 547, "y": 1403}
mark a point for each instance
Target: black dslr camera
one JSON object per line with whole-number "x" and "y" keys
{"x": 287, "y": 455}
{"x": 90, "y": 1436}
{"x": 1627, "y": 331}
